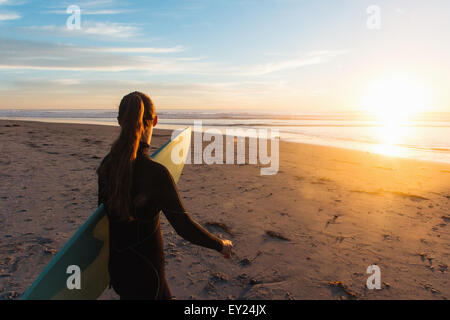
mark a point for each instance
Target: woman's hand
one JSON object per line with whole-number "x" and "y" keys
{"x": 226, "y": 250}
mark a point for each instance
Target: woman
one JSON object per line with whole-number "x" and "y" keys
{"x": 134, "y": 189}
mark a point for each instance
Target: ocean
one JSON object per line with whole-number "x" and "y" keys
{"x": 425, "y": 137}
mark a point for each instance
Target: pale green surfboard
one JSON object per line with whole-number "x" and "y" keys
{"x": 89, "y": 246}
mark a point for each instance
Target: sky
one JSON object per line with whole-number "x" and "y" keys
{"x": 267, "y": 55}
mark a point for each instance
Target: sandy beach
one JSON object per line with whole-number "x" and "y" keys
{"x": 308, "y": 232}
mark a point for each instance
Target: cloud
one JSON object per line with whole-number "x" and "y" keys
{"x": 82, "y": 4}
{"x": 66, "y": 81}
{"x": 140, "y": 50}
{"x": 6, "y": 16}
{"x": 65, "y": 93}
{"x": 12, "y": 2}
{"x": 27, "y": 55}
{"x": 90, "y": 8}
{"x": 9, "y": 16}
{"x": 92, "y": 11}
{"x": 109, "y": 29}
{"x": 312, "y": 58}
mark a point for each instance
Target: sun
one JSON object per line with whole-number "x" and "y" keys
{"x": 395, "y": 100}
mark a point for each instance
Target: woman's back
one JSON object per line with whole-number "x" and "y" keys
{"x": 138, "y": 241}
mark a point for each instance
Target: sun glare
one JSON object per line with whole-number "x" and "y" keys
{"x": 393, "y": 102}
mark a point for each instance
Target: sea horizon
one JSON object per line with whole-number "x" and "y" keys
{"x": 420, "y": 138}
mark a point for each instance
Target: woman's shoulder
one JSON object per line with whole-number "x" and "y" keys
{"x": 102, "y": 167}
{"x": 105, "y": 158}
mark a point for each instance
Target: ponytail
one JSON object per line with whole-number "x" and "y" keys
{"x": 122, "y": 156}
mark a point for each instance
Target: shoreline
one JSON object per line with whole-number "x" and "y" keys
{"x": 327, "y": 215}
{"x": 95, "y": 122}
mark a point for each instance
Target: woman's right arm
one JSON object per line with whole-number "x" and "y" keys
{"x": 180, "y": 219}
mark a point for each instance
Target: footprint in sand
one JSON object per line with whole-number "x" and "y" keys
{"x": 388, "y": 237}
{"x": 221, "y": 226}
{"x": 277, "y": 235}
{"x": 332, "y": 220}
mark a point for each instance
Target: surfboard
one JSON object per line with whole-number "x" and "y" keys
{"x": 88, "y": 249}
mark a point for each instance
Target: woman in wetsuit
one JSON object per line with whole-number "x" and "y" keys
{"x": 134, "y": 189}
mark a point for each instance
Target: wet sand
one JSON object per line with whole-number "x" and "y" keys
{"x": 308, "y": 232}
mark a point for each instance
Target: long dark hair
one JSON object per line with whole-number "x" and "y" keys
{"x": 136, "y": 112}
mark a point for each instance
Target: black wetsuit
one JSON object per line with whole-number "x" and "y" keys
{"x": 136, "y": 263}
